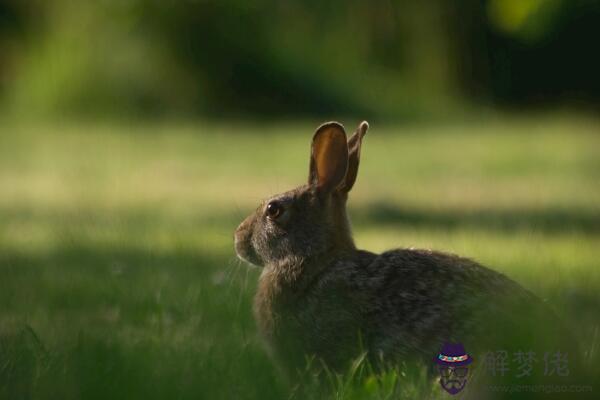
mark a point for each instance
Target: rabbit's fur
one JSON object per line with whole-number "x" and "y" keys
{"x": 318, "y": 295}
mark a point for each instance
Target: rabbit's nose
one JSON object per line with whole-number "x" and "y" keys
{"x": 242, "y": 240}
{"x": 244, "y": 227}
{"x": 244, "y": 249}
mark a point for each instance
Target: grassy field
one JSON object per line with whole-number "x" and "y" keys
{"x": 117, "y": 272}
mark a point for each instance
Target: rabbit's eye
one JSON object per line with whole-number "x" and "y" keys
{"x": 274, "y": 210}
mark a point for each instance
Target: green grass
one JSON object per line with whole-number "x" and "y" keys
{"x": 118, "y": 277}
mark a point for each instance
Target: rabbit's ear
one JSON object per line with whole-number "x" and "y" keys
{"x": 329, "y": 157}
{"x": 354, "y": 156}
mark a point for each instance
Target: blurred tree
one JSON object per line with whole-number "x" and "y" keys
{"x": 520, "y": 52}
{"x": 288, "y": 58}
{"x": 89, "y": 58}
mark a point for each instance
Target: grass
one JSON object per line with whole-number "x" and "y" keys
{"x": 119, "y": 278}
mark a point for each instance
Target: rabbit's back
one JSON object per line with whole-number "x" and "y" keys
{"x": 419, "y": 299}
{"x": 401, "y": 305}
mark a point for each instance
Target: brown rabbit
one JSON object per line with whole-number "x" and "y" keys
{"x": 319, "y": 295}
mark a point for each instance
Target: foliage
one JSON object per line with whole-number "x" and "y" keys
{"x": 400, "y": 60}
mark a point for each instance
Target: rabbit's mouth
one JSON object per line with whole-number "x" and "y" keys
{"x": 246, "y": 253}
{"x": 243, "y": 245}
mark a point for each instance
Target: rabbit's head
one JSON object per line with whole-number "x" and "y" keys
{"x": 310, "y": 221}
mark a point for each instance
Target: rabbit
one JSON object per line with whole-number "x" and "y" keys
{"x": 320, "y": 296}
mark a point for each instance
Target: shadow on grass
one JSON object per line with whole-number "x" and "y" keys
{"x": 544, "y": 220}
{"x": 120, "y": 323}
{"x": 93, "y": 367}
{"x": 138, "y": 221}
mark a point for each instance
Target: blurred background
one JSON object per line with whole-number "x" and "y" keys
{"x": 285, "y": 59}
{"x": 136, "y": 134}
